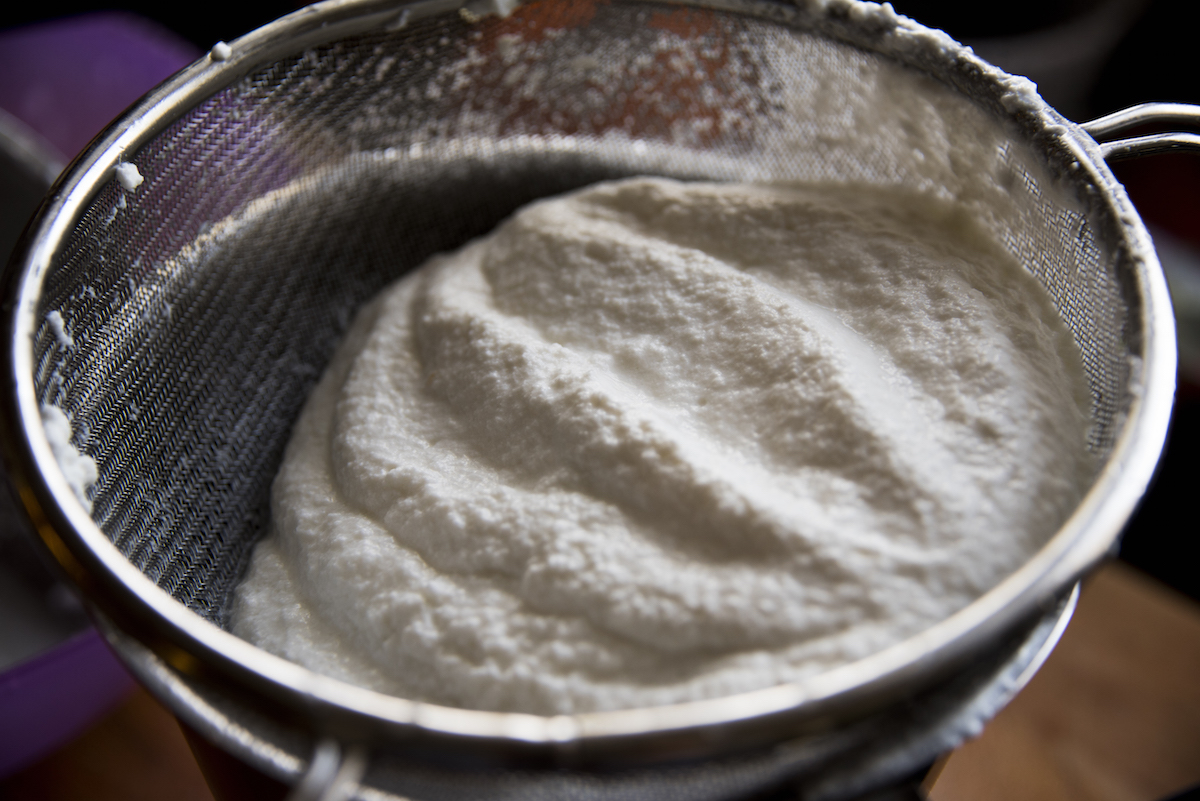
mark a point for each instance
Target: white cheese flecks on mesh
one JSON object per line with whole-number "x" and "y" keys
{"x": 78, "y": 468}
{"x": 128, "y": 176}
{"x": 59, "y": 328}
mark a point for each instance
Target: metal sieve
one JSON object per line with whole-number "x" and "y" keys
{"x": 290, "y": 176}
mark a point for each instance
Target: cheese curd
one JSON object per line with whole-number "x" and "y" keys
{"x": 653, "y": 442}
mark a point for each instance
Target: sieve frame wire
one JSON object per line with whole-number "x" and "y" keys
{"x": 199, "y": 648}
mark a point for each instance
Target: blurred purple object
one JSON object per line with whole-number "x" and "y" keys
{"x": 66, "y": 80}
{"x": 54, "y": 696}
{"x": 69, "y": 78}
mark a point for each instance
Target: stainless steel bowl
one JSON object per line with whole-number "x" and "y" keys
{"x": 293, "y": 174}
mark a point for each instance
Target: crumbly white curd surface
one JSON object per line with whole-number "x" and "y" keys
{"x": 653, "y": 442}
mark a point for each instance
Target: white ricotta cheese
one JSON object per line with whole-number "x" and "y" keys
{"x": 654, "y": 442}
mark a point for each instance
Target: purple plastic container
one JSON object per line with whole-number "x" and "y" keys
{"x": 55, "y": 696}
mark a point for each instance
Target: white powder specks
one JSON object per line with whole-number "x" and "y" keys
{"x": 508, "y": 47}
{"x": 128, "y": 176}
{"x": 400, "y": 22}
{"x": 384, "y": 67}
{"x": 653, "y": 442}
{"x": 478, "y": 9}
{"x": 78, "y": 468}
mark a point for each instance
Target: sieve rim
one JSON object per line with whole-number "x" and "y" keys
{"x": 197, "y": 647}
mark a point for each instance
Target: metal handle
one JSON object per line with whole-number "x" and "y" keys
{"x": 330, "y": 777}
{"x": 1144, "y": 114}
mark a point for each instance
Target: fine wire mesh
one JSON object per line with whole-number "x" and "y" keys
{"x": 201, "y": 308}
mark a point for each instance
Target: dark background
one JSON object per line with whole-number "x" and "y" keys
{"x": 1153, "y": 59}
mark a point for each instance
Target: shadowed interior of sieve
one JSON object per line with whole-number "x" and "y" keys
{"x": 202, "y": 307}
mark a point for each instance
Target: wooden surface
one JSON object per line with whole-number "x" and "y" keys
{"x": 137, "y": 753}
{"x": 1113, "y": 716}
